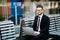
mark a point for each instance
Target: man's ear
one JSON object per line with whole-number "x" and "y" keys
{"x": 42, "y": 10}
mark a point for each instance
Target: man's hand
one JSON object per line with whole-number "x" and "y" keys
{"x": 36, "y": 33}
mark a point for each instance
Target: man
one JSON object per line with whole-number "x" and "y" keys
{"x": 41, "y": 24}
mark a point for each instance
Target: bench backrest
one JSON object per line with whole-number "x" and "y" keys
{"x": 7, "y": 30}
{"x": 54, "y": 23}
{"x": 57, "y": 22}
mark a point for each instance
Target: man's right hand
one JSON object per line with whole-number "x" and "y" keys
{"x": 36, "y": 33}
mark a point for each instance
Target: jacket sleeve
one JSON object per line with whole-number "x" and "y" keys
{"x": 46, "y": 26}
{"x": 34, "y": 24}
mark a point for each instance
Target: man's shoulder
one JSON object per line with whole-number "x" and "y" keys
{"x": 46, "y": 16}
{"x": 36, "y": 16}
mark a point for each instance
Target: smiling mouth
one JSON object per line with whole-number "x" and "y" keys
{"x": 39, "y": 13}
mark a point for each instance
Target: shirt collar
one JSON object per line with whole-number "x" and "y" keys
{"x": 41, "y": 15}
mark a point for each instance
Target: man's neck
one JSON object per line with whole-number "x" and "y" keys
{"x": 40, "y": 14}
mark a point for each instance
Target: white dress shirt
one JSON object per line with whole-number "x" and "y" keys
{"x": 40, "y": 21}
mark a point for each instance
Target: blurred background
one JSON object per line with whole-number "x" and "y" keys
{"x": 14, "y": 10}
{"x": 26, "y": 8}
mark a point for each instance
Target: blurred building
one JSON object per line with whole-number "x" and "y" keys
{"x": 5, "y": 7}
{"x": 50, "y": 7}
{"x": 10, "y": 7}
{"x": 29, "y": 6}
{"x": 38, "y": 0}
{"x": 53, "y": 4}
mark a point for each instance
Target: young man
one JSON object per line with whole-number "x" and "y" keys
{"x": 41, "y": 24}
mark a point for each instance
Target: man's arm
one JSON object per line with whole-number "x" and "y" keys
{"x": 34, "y": 24}
{"x": 46, "y": 26}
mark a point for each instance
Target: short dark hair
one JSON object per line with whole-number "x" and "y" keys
{"x": 39, "y": 6}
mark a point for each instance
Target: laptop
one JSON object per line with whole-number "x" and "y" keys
{"x": 28, "y": 31}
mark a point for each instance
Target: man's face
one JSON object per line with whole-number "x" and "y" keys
{"x": 39, "y": 10}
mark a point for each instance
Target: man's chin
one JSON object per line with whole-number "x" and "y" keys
{"x": 39, "y": 14}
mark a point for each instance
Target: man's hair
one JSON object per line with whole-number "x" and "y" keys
{"x": 39, "y": 6}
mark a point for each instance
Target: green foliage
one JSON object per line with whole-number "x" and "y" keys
{"x": 0, "y": 1}
{"x": 2, "y": 18}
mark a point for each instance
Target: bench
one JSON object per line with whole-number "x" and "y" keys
{"x": 7, "y": 30}
{"x": 54, "y": 28}
{"x": 56, "y": 25}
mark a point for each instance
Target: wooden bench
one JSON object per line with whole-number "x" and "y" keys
{"x": 54, "y": 28}
{"x": 7, "y": 30}
{"x": 56, "y": 31}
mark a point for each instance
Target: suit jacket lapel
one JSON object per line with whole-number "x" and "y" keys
{"x": 42, "y": 20}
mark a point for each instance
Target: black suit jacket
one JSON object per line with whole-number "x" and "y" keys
{"x": 44, "y": 25}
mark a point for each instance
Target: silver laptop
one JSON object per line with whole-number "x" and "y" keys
{"x": 28, "y": 31}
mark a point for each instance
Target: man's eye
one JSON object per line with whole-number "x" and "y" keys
{"x": 39, "y": 10}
